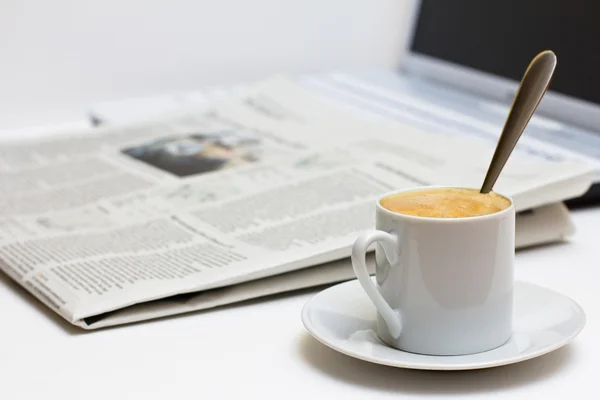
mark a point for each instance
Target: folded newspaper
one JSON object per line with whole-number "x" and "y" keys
{"x": 251, "y": 194}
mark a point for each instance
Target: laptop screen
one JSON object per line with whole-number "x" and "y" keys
{"x": 501, "y": 38}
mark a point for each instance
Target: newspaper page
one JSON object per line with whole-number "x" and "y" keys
{"x": 248, "y": 188}
{"x": 542, "y": 225}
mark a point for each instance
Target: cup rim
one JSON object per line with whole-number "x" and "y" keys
{"x": 393, "y": 214}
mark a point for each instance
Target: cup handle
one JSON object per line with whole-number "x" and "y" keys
{"x": 359, "y": 264}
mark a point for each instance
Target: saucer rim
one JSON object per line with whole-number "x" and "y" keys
{"x": 443, "y": 367}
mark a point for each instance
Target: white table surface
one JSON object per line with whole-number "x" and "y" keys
{"x": 260, "y": 349}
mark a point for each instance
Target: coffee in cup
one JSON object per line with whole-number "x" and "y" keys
{"x": 444, "y": 270}
{"x": 445, "y": 203}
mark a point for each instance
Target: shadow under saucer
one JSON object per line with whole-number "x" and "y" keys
{"x": 385, "y": 378}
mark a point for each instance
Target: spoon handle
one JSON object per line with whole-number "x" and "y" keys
{"x": 531, "y": 90}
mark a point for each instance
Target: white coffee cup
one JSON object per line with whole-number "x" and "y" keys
{"x": 444, "y": 286}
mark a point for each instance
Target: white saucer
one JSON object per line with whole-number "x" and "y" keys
{"x": 343, "y": 318}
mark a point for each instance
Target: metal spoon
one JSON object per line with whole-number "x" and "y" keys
{"x": 531, "y": 90}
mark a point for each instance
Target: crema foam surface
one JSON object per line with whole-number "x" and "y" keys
{"x": 445, "y": 203}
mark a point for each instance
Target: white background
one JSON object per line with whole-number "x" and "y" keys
{"x": 57, "y": 57}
